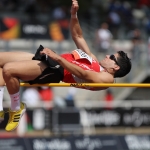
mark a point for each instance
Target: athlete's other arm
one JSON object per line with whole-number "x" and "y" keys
{"x": 90, "y": 76}
{"x": 76, "y": 31}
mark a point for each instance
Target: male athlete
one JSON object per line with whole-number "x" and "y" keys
{"x": 48, "y": 67}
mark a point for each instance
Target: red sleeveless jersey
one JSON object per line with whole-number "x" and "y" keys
{"x": 81, "y": 59}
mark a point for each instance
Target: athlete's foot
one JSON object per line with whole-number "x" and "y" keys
{"x": 14, "y": 118}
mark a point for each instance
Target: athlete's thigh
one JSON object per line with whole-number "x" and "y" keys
{"x": 6, "y": 57}
{"x": 24, "y": 70}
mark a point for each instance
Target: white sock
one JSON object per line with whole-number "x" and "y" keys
{"x": 1, "y": 97}
{"x": 15, "y": 101}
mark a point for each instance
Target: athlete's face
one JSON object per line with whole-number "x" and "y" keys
{"x": 110, "y": 62}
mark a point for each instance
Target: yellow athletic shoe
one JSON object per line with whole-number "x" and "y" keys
{"x": 2, "y": 113}
{"x": 14, "y": 118}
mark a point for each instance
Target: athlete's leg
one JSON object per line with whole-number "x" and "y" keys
{"x": 12, "y": 72}
{"x": 2, "y": 83}
{"x": 23, "y": 70}
{"x": 6, "y": 57}
{"x": 1, "y": 96}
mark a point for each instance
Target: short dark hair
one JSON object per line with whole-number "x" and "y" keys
{"x": 124, "y": 63}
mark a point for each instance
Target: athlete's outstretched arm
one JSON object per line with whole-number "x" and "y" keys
{"x": 76, "y": 31}
{"x": 90, "y": 76}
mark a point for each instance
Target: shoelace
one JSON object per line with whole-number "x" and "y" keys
{"x": 15, "y": 118}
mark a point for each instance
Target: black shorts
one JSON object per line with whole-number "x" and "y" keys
{"x": 54, "y": 73}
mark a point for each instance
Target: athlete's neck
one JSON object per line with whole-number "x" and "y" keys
{"x": 108, "y": 70}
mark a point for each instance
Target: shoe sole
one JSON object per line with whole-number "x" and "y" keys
{"x": 23, "y": 111}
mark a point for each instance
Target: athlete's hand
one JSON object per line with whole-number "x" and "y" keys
{"x": 74, "y": 7}
{"x": 50, "y": 53}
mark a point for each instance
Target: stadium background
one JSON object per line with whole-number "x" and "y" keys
{"x": 117, "y": 119}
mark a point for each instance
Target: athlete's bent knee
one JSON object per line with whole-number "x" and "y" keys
{"x": 8, "y": 70}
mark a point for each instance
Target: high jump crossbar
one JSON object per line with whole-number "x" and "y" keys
{"x": 144, "y": 85}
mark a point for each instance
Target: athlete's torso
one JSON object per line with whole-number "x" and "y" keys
{"x": 81, "y": 59}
